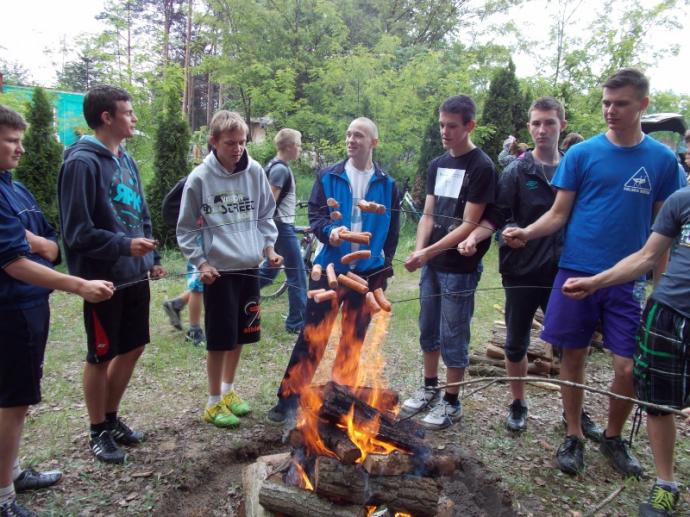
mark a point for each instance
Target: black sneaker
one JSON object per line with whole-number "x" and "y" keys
{"x": 196, "y": 336}
{"x": 277, "y": 414}
{"x": 589, "y": 428}
{"x": 570, "y": 456}
{"x": 173, "y": 314}
{"x": 14, "y": 509}
{"x": 29, "y": 479}
{"x": 619, "y": 455}
{"x": 661, "y": 502}
{"x": 105, "y": 449}
{"x": 124, "y": 435}
{"x": 517, "y": 416}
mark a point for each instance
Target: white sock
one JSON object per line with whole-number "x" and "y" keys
{"x": 16, "y": 469}
{"x": 7, "y": 494}
{"x": 671, "y": 484}
{"x": 213, "y": 400}
{"x": 225, "y": 387}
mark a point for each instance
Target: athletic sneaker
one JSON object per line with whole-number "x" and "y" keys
{"x": 424, "y": 397}
{"x": 517, "y": 416}
{"x": 14, "y": 509}
{"x": 220, "y": 416}
{"x": 662, "y": 502}
{"x": 442, "y": 415}
{"x": 570, "y": 456}
{"x": 124, "y": 435}
{"x": 196, "y": 336}
{"x": 235, "y": 404}
{"x": 589, "y": 428}
{"x": 619, "y": 456}
{"x": 173, "y": 314}
{"x": 103, "y": 446}
{"x": 29, "y": 479}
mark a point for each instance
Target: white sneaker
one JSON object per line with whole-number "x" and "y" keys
{"x": 422, "y": 398}
{"x": 442, "y": 415}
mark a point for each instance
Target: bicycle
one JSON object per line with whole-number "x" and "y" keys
{"x": 308, "y": 244}
{"x": 408, "y": 209}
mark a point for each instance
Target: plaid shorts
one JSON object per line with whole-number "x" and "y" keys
{"x": 662, "y": 360}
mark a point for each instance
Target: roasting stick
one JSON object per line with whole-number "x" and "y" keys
{"x": 569, "y": 384}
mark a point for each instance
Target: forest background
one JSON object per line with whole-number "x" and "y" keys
{"x": 315, "y": 64}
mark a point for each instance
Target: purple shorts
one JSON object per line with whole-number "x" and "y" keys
{"x": 570, "y": 323}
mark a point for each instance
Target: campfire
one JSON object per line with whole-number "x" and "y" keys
{"x": 351, "y": 455}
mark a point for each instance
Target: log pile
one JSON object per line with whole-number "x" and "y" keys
{"x": 405, "y": 480}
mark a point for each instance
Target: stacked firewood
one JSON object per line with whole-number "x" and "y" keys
{"x": 540, "y": 355}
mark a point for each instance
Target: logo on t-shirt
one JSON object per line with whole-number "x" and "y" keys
{"x": 448, "y": 182}
{"x": 639, "y": 182}
{"x": 684, "y": 239}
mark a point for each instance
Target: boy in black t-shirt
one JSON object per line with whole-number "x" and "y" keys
{"x": 460, "y": 183}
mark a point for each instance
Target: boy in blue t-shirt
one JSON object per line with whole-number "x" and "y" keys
{"x": 609, "y": 189}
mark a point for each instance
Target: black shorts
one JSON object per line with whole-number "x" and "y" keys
{"x": 232, "y": 311}
{"x": 662, "y": 360}
{"x": 119, "y": 325}
{"x": 22, "y": 347}
{"x": 524, "y": 295}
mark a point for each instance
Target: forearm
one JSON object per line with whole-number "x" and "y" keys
{"x": 45, "y": 248}
{"x": 547, "y": 224}
{"x": 626, "y": 270}
{"x": 452, "y": 239}
{"x": 31, "y": 272}
{"x": 424, "y": 228}
{"x": 482, "y": 231}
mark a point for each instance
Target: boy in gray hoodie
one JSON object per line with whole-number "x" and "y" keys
{"x": 225, "y": 228}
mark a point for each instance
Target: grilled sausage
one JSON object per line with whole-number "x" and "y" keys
{"x": 381, "y": 299}
{"x": 352, "y": 284}
{"x": 355, "y": 255}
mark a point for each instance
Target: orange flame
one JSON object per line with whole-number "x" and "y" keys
{"x": 304, "y": 479}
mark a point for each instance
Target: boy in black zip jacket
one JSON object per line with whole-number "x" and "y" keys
{"x": 524, "y": 194}
{"x": 107, "y": 234}
{"x": 28, "y": 252}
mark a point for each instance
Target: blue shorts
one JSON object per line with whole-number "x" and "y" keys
{"x": 194, "y": 282}
{"x": 570, "y": 323}
{"x": 444, "y": 321}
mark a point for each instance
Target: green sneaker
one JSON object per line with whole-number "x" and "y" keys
{"x": 220, "y": 416}
{"x": 662, "y": 502}
{"x": 232, "y": 401}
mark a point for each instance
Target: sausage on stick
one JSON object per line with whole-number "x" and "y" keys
{"x": 352, "y": 284}
{"x": 381, "y": 299}
{"x": 371, "y": 303}
{"x": 330, "y": 274}
{"x": 316, "y": 270}
{"x": 355, "y": 255}
{"x": 326, "y": 295}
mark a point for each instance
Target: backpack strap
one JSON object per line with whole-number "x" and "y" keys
{"x": 285, "y": 187}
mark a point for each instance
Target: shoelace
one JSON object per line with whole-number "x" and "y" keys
{"x": 108, "y": 442}
{"x": 663, "y": 499}
{"x": 570, "y": 444}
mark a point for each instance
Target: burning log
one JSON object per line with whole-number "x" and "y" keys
{"x": 349, "y": 484}
{"x": 296, "y": 502}
{"x": 337, "y": 402}
{"x": 393, "y": 464}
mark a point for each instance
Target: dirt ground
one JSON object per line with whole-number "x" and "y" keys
{"x": 189, "y": 468}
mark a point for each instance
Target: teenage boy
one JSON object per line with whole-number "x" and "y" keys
{"x": 288, "y": 142}
{"x": 355, "y": 178}
{"x": 662, "y": 358}
{"x": 224, "y": 229}
{"x": 460, "y": 183}
{"x": 28, "y": 252}
{"x": 524, "y": 195}
{"x": 107, "y": 234}
{"x": 609, "y": 189}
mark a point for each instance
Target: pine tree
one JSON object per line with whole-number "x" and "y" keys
{"x": 504, "y": 110}
{"x": 38, "y": 168}
{"x": 170, "y": 163}
{"x": 430, "y": 149}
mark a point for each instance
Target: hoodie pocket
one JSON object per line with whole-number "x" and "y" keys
{"x": 235, "y": 249}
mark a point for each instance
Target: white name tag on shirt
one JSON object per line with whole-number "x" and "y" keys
{"x": 448, "y": 182}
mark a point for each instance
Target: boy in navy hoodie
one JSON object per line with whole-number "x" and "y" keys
{"x": 107, "y": 234}
{"x": 28, "y": 251}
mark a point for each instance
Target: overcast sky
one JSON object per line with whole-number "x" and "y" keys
{"x": 31, "y": 27}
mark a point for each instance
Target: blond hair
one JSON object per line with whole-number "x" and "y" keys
{"x": 285, "y": 137}
{"x": 225, "y": 120}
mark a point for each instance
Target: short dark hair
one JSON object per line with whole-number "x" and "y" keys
{"x": 687, "y": 136}
{"x": 102, "y": 98}
{"x": 547, "y": 103}
{"x": 460, "y": 105}
{"x": 628, "y": 77}
{"x": 11, "y": 119}
{"x": 571, "y": 139}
